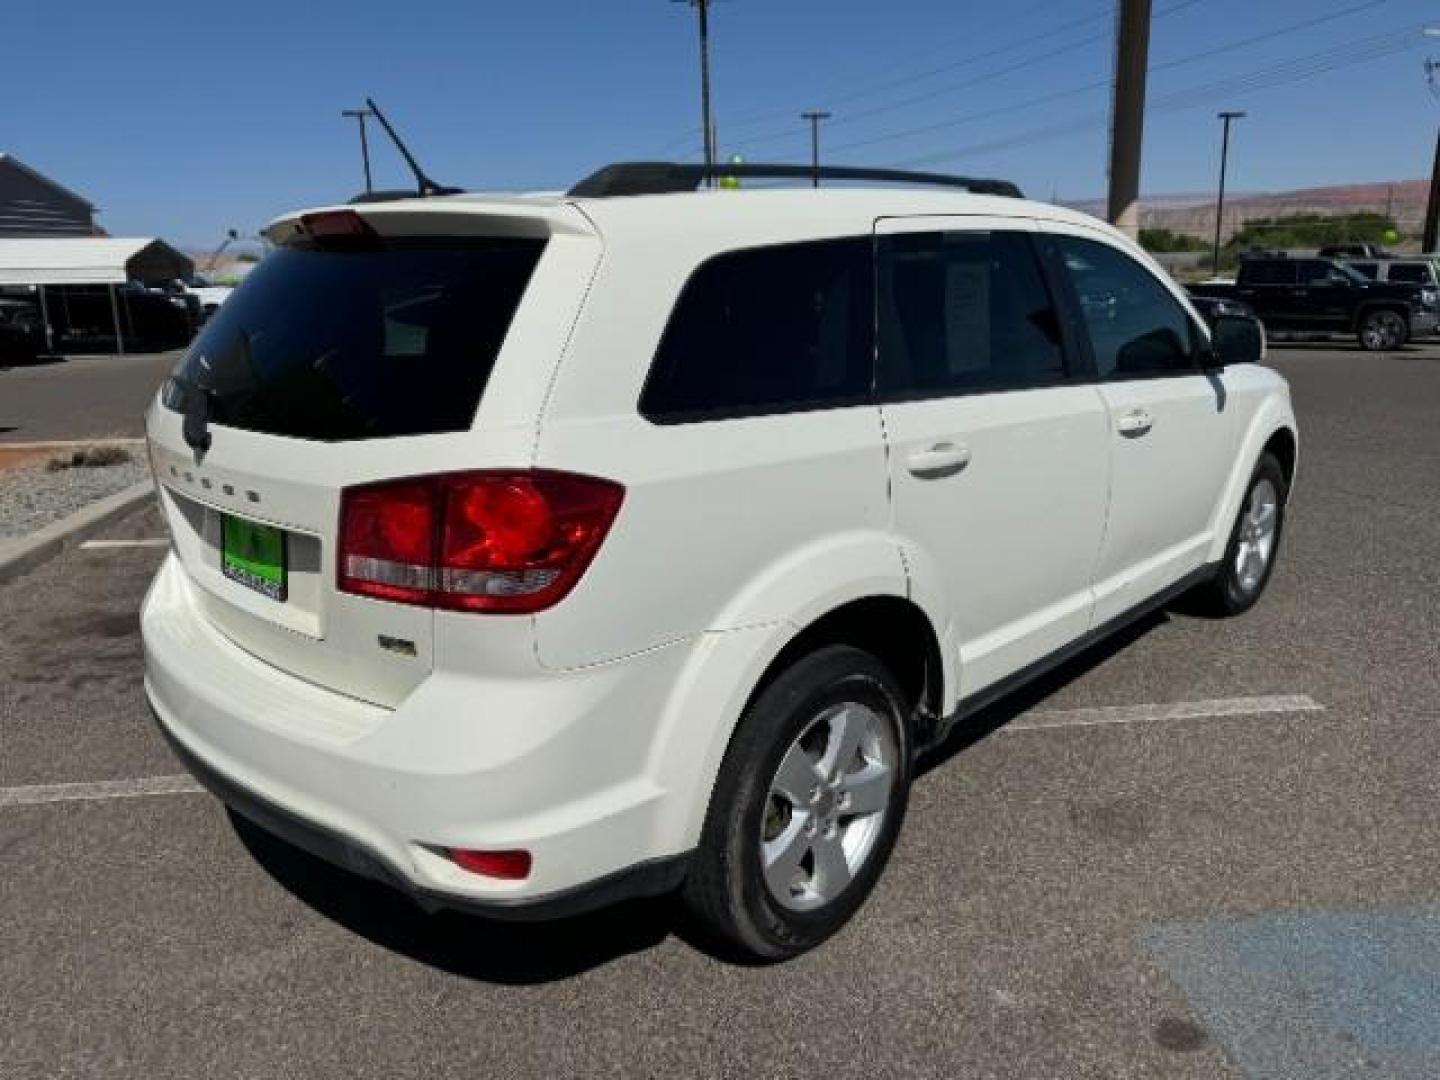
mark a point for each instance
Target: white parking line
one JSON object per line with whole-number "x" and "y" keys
{"x": 1040, "y": 720}
{"x": 105, "y": 545}
{"x": 1181, "y": 710}
{"x": 104, "y": 789}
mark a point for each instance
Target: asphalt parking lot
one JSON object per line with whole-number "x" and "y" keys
{"x": 1086, "y": 886}
{"x": 79, "y": 397}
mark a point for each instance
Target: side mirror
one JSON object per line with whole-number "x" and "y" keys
{"x": 1237, "y": 339}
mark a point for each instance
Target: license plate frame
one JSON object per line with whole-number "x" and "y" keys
{"x": 256, "y": 556}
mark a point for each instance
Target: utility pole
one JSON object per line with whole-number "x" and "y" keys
{"x": 707, "y": 125}
{"x": 1431, "y": 241}
{"x": 361, "y": 115}
{"x": 814, "y": 118}
{"x": 1127, "y": 118}
{"x": 1227, "y": 118}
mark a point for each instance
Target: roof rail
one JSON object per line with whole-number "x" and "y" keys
{"x": 665, "y": 177}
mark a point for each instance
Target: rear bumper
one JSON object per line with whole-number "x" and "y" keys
{"x": 555, "y": 764}
{"x": 645, "y": 879}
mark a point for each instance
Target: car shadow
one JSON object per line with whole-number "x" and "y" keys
{"x": 503, "y": 952}
{"x": 981, "y": 725}
{"x": 42, "y": 360}
{"x": 525, "y": 953}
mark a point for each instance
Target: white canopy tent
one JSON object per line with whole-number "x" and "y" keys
{"x": 89, "y": 260}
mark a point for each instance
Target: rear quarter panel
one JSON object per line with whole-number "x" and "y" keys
{"x": 726, "y": 523}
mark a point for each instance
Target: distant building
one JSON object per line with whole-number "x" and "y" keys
{"x": 33, "y": 205}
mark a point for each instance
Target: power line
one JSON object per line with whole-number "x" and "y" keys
{"x": 1294, "y": 70}
{"x": 858, "y": 116}
{"x": 1057, "y": 95}
{"x": 750, "y": 119}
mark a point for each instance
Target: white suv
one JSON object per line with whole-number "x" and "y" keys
{"x": 532, "y": 553}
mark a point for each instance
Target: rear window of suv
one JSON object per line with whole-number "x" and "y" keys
{"x": 336, "y": 345}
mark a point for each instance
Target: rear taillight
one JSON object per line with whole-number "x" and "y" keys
{"x": 509, "y": 541}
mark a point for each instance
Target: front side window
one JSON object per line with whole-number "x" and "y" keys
{"x": 767, "y": 330}
{"x": 1410, "y": 273}
{"x": 1137, "y": 328}
{"x": 964, "y": 311}
{"x": 1317, "y": 272}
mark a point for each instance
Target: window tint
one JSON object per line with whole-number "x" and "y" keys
{"x": 1411, "y": 273}
{"x": 1269, "y": 272}
{"x": 771, "y": 329}
{"x": 1136, "y": 326}
{"x": 965, "y": 311}
{"x": 359, "y": 343}
{"x": 1366, "y": 269}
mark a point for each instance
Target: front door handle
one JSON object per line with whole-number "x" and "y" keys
{"x": 939, "y": 460}
{"x": 1135, "y": 423}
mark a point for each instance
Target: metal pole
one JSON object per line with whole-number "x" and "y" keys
{"x": 115, "y": 313}
{"x": 1432, "y": 210}
{"x": 365, "y": 154}
{"x": 361, "y": 115}
{"x": 1226, "y": 117}
{"x": 45, "y": 319}
{"x": 707, "y": 126}
{"x": 1127, "y": 126}
{"x": 815, "y": 118}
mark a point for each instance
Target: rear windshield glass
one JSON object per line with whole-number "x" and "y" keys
{"x": 359, "y": 344}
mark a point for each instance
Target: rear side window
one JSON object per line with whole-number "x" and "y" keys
{"x": 1277, "y": 272}
{"x": 1137, "y": 328}
{"x": 366, "y": 343}
{"x": 1370, "y": 270}
{"x": 766, "y": 330}
{"x": 964, "y": 311}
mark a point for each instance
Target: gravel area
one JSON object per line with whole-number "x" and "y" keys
{"x": 31, "y": 496}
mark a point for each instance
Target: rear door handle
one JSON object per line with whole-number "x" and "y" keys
{"x": 1135, "y": 423}
{"x": 939, "y": 460}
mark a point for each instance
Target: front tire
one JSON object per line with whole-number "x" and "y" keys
{"x": 806, "y": 808}
{"x": 1254, "y": 544}
{"x": 1382, "y": 331}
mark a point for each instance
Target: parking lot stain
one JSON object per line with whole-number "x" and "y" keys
{"x": 1121, "y": 820}
{"x": 1180, "y": 1035}
{"x": 1319, "y": 995}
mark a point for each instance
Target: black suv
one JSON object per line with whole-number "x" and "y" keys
{"x": 1324, "y": 296}
{"x": 22, "y": 337}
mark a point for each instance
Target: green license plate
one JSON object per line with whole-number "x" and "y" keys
{"x": 253, "y": 555}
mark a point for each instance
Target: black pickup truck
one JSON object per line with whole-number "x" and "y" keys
{"x": 1323, "y": 296}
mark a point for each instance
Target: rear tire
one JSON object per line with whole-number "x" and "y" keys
{"x": 806, "y": 808}
{"x": 1382, "y": 331}
{"x": 1254, "y": 544}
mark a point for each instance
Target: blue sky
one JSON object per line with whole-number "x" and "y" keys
{"x": 183, "y": 119}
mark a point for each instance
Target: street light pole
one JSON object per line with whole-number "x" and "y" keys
{"x": 361, "y": 115}
{"x": 815, "y": 118}
{"x": 1227, "y": 118}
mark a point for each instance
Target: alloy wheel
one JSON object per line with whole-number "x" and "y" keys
{"x": 827, "y": 804}
{"x": 1258, "y": 525}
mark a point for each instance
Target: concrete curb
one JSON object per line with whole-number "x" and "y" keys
{"x": 23, "y": 554}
